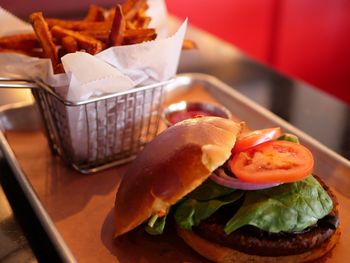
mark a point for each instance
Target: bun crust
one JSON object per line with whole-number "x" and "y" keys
{"x": 221, "y": 254}
{"x": 176, "y": 162}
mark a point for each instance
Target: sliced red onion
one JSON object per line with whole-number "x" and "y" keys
{"x": 220, "y": 177}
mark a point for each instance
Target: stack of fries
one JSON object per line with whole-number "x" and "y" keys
{"x": 101, "y": 28}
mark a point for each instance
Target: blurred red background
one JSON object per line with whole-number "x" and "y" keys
{"x": 308, "y": 40}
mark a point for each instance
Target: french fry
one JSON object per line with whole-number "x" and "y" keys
{"x": 122, "y": 25}
{"x": 138, "y": 22}
{"x": 32, "y": 53}
{"x": 59, "y": 68}
{"x": 8, "y": 50}
{"x": 78, "y": 25}
{"x": 143, "y": 22}
{"x": 139, "y": 32}
{"x": 101, "y": 35}
{"x": 110, "y": 15}
{"x": 141, "y": 13}
{"x": 70, "y": 44}
{"x": 138, "y": 40}
{"x": 20, "y": 42}
{"x": 131, "y": 7}
{"x": 130, "y": 25}
{"x": 61, "y": 52}
{"x": 95, "y": 14}
{"x": 44, "y": 36}
{"x": 90, "y": 44}
{"x": 130, "y": 35}
{"x": 118, "y": 28}
{"x": 189, "y": 44}
{"x": 135, "y": 13}
{"x": 135, "y": 36}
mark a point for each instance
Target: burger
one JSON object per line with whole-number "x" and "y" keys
{"x": 234, "y": 196}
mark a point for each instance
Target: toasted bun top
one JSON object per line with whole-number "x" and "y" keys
{"x": 172, "y": 165}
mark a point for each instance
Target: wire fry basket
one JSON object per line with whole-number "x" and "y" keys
{"x": 98, "y": 133}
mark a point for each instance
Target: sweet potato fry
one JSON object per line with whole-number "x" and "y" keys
{"x": 143, "y": 22}
{"x": 44, "y": 36}
{"x": 142, "y": 10}
{"x": 8, "y": 50}
{"x": 139, "y": 19}
{"x": 90, "y": 44}
{"x": 61, "y": 52}
{"x": 59, "y": 68}
{"x": 122, "y": 25}
{"x": 101, "y": 35}
{"x": 139, "y": 32}
{"x": 189, "y": 44}
{"x": 118, "y": 28}
{"x": 95, "y": 14}
{"x": 78, "y": 25}
{"x": 134, "y": 36}
{"x": 130, "y": 24}
{"x": 131, "y": 7}
{"x": 70, "y": 44}
{"x": 32, "y": 53}
{"x": 110, "y": 15}
{"x": 20, "y": 42}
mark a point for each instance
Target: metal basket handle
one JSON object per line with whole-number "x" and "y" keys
{"x": 16, "y": 82}
{"x": 19, "y": 82}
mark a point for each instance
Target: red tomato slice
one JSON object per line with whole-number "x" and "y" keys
{"x": 248, "y": 140}
{"x": 273, "y": 162}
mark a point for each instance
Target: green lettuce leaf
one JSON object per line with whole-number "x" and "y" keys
{"x": 155, "y": 225}
{"x": 286, "y": 208}
{"x": 191, "y": 212}
{"x": 210, "y": 190}
{"x": 288, "y": 137}
{"x": 207, "y": 191}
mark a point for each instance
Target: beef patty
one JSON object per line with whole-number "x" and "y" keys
{"x": 254, "y": 241}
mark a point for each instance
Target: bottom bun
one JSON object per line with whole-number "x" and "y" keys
{"x": 221, "y": 254}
